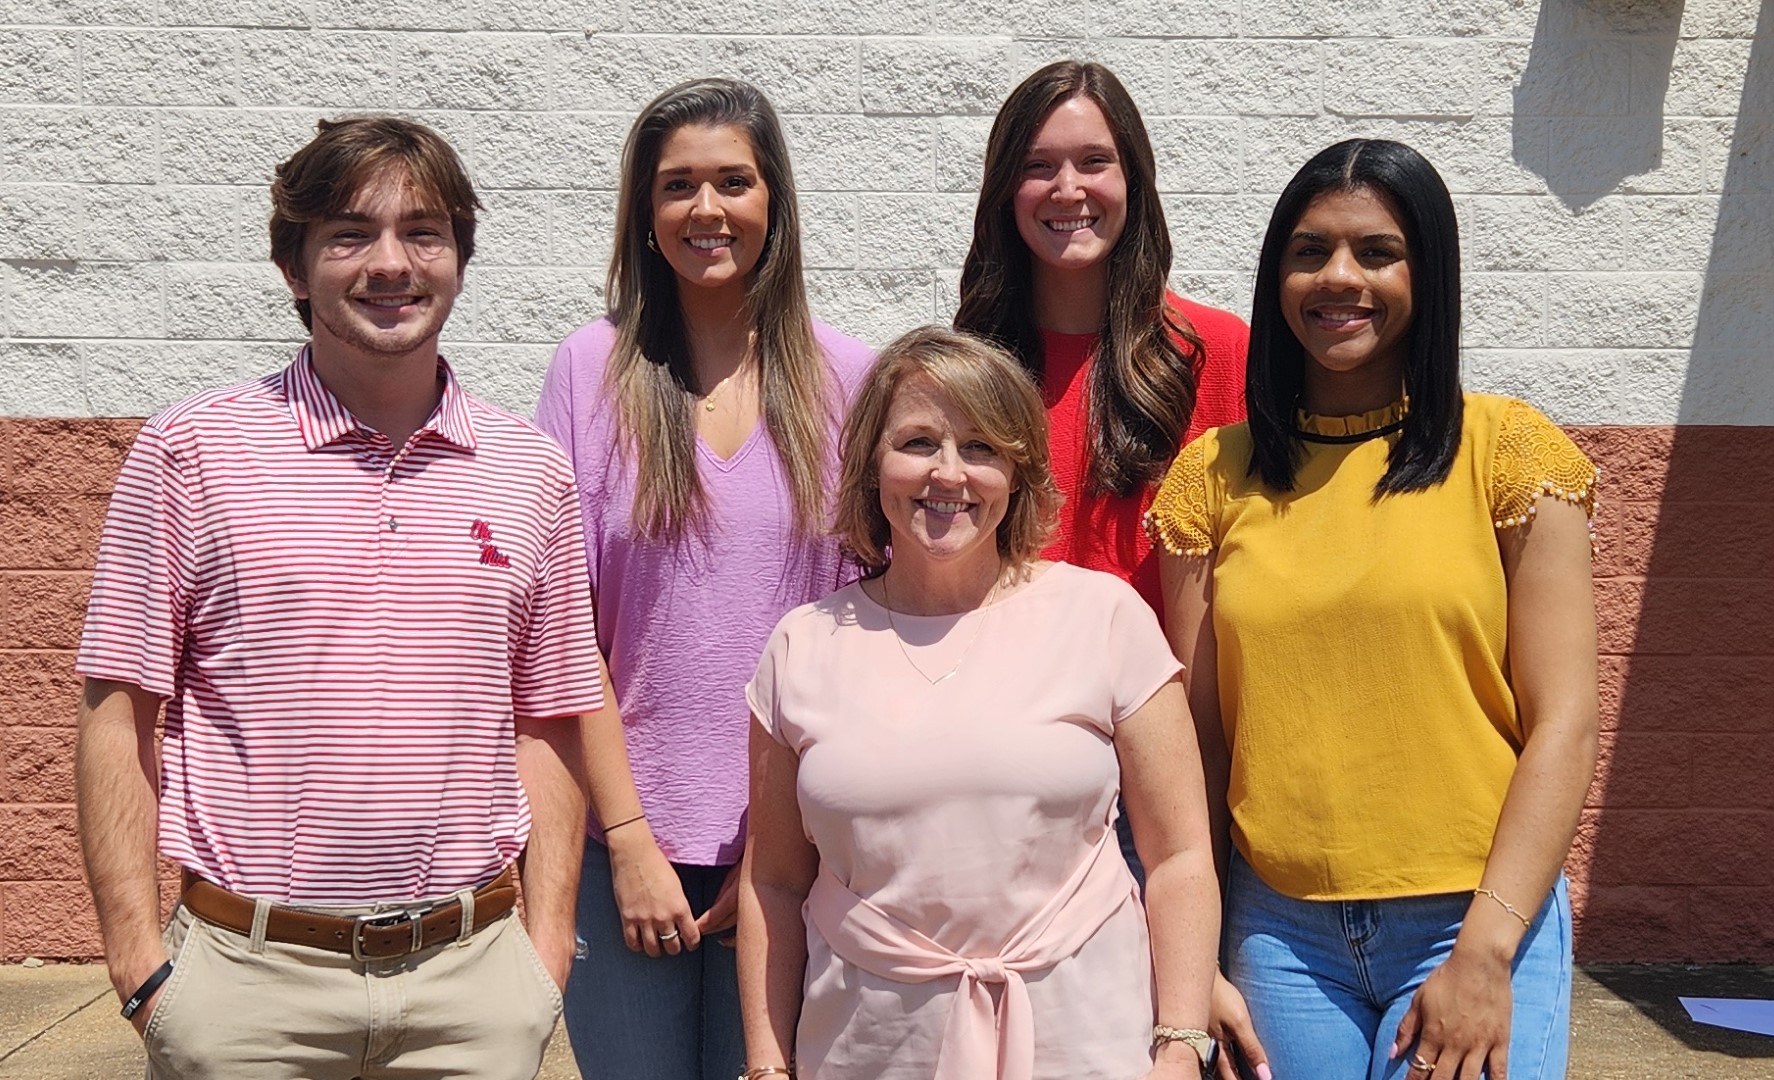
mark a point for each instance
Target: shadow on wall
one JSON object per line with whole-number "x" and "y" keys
{"x": 1583, "y": 74}
{"x": 1676, "y": 853}
{"x": 1730, "y": 377}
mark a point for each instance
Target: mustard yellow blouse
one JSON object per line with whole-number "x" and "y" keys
{"x": 1363, "y": 664}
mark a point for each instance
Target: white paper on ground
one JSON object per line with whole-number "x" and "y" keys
{"x": 1739, "y": 1014}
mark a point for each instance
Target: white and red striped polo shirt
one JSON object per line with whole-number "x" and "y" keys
{"x": 344, "y": 631}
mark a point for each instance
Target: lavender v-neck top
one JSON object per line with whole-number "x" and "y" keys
{"x": 683, "y": 624}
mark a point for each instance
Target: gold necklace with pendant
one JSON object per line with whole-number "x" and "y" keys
{"x": 708, "y": 400}
{"x": 887, "y": 603}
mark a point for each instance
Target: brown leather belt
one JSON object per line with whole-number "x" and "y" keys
{"x": 384, "y": 936}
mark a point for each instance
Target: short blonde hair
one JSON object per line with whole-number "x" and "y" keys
{"x": 995, "y": 394}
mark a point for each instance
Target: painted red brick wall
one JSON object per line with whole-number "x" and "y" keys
{"x": 56, "y": 477}
{"x": 1675, "y": 857}
{"x": 1674, "y": 861}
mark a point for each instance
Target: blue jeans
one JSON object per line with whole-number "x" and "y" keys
{"x": 631, "y": 1016}
{"x": 1124, "y": 837}
{"x": 1327, "y": 982}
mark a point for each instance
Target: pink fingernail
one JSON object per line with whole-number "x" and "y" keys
{"x": 1263, "y": 1072}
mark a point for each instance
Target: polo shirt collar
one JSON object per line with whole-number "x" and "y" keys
{"x": 324, "y": 421}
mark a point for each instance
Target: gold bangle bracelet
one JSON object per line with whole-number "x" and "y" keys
{"x": 1507, "y": 906}
{"x": 768, "y": 1070}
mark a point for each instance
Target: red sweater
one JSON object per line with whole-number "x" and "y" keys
{"x": 1102, "y": 532}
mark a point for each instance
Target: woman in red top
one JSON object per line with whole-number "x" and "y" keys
{"x": 1067, "y": 270}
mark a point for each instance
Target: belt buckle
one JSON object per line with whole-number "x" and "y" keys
{"x": 388, "y": 920}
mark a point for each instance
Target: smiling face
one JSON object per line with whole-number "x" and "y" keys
{"x": 381, "y": 275}
{"x": 1346, "y": 290}
{"x": 711, "y": 206}
{"x": 944, "y": 486}
{"x": 1071, "y": 205}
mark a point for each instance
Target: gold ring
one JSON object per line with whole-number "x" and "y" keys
{"x": 1417, "y": 1062}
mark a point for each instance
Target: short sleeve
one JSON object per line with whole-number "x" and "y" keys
{"x": 1534, "y": 459}
{"x": 145, "y": 579}
{"x": 554, "y": 405}
{"x": 573, "y": 395}
{"x": 762, "y": 693}
{"x": 1141, "y": 654}
{"x": 555, "y": 666}
{"x": 1181, "y": 520}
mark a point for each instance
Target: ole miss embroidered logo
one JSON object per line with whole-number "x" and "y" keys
{"x": 490, "y": 555}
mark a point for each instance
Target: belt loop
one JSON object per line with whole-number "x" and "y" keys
{"x": 466, "y": 898}
{"x": 255, "y": 942}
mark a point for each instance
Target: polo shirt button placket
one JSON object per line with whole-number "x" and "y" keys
{"x": 388, "y": 539}
{"x": 390, "y": 523}
{"x": 394, "y": 535}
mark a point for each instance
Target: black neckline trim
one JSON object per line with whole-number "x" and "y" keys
{"x": 1341, "y": 440}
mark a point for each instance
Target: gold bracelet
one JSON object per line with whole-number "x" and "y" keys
{"x": 768, "y": 1070}
{"x": 1507, "y": 906}
{"x": 1194, "y": 1038}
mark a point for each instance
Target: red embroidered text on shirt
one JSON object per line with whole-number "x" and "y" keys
{"x": 489, "y": 554}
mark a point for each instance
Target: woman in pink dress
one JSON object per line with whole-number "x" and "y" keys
{"x": 935, "y": 762}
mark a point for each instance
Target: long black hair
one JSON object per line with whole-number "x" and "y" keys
{"x": 1415, "y": 192}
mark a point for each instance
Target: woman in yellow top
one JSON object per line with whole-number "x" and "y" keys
{"x": 1381, "y": 588}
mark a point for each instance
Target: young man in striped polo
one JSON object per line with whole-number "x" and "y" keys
{"x": 361, "y": 595}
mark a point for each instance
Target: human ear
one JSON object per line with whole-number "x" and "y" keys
{"x": 298, "y": 284}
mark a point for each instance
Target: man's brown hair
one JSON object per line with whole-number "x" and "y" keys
{"x": 319, "y": 181}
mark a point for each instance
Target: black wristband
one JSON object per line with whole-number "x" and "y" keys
{"x": 146, "y": 990}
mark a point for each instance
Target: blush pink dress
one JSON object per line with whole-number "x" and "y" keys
{"x": 973, "y": 917}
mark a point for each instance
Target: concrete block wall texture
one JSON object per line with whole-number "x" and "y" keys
{"x": 1610, "y": 160}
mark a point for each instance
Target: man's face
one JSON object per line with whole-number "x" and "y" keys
{"x": 382, "y": 276}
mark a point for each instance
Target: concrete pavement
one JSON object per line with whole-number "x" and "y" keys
{"x": 60, "y": 1022}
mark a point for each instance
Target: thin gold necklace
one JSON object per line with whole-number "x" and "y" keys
{"x": 887, "y": 603}
{"x": 708, "y": 399}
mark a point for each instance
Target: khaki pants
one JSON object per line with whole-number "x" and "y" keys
{"x": 482, "y": 1009}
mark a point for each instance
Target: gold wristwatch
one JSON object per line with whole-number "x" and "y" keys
{"x": 1196, "y": 1039}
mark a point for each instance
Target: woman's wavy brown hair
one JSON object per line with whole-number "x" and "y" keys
{"x": 650, "y": 374}
{"x": 998, "y": 398}
{"x": 1142, "y": 383}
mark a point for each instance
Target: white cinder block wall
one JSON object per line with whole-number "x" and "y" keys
{"x": 1610, "y": 159}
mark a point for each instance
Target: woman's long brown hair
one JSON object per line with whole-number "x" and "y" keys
{"x": 650, "y": 373}
{"x": 1142, "y": 383}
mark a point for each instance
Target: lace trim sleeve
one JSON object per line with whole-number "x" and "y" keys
{"x": 1180, "y": 520}
{"x": 1536, "y": 460}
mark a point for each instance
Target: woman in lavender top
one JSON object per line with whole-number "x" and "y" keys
{"x": 701, "y": 416}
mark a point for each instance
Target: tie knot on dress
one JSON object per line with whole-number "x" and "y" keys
{"x": 987, "y": 969}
